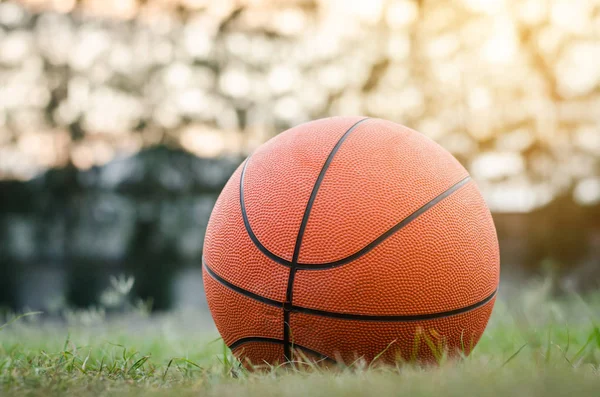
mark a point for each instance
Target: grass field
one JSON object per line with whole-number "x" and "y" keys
{"x": 535, "y": 345}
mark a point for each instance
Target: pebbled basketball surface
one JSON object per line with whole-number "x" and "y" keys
{"x": 347, "y": 237}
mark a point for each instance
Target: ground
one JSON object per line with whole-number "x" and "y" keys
{"x": 536, "y": 344}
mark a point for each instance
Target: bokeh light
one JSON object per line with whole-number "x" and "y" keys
{"x": 510, "y": 87}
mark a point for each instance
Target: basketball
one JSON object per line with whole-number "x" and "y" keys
{"x": 350, "y": 238}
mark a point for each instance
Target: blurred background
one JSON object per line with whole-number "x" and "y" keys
{"x": 121, "y": 120}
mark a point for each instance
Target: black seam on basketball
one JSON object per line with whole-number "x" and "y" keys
{"x": 250, "y": 339}
{"x": 289, "y": 298}
{"x": 253, "y": 237}
{"x": 400, "y": 318}
{"x": 369, "y": 247}
{"x": 239, "y": 290}
{"x": 350, "y": 316}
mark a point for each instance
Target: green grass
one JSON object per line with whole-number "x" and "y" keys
{"x": 535, "y": 345}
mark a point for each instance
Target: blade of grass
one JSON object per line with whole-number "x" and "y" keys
{"x": 548, "y": 346}
{"x": 138, "y": 364}
{"x": 432, "y": 346}
{"x": 568, "y": 341}
{"x": 597, "y": 335}
{"x": 17, "y": 318}
{"x": 85, "y": 361}
{"x": 174, "y": 360}
{"x": 417, "y": 344}
{"x": 381, "y": 353}
{"x": 580, "y": 352}
{"x": 167, "y": 370}
{"x": 515, "y": 354}
{"x": 226, "y": 364}
{"x": 101, "y": 367}
{"x": 65, "y": 345}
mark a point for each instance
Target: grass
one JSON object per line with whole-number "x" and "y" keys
{"x": 535, "y": 345}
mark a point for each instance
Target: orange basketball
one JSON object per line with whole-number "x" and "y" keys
{"x": 347, "y": 237}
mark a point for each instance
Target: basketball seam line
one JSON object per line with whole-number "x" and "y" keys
{"x": 369, "y": 247}
{"x": 373, "y": 244}
{"x": 240, "y": 290}
{"x": 253, "y": 237}
{"x": 349, "y": 316}
{"x": 289, "y": 295}
{"x": 250, "y": 339}
{"x": 394, "y": 318}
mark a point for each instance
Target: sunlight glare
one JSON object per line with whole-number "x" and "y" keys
{"x": 502, "y": 46}
{"x": 485, "y": 6}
